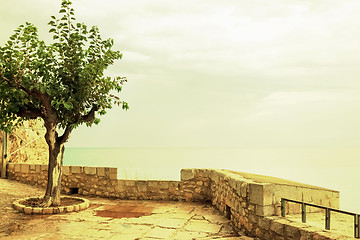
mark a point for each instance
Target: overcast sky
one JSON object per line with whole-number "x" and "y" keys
{"x": 228, "y": 73}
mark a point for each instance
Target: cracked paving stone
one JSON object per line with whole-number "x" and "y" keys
{"x": 202, "y": 226}
{"x": 182, "y": 235}
{"x": 173, "y": 223}
{"x": 198, "y": 217}
{"x": 216, "y": 219}
{"x": 130, "y": 236}
{"x": 141, "y": 229}
{"x": 160, "y": 233}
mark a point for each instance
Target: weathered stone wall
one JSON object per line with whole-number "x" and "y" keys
{"x": 253, "y": 206}
{"x": 264, "y": 198}
{"x": 27, "y": 144}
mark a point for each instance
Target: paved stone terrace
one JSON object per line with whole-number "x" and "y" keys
{"x": 113, "y": 219}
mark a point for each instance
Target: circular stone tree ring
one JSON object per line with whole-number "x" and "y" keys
{"x": 68, "y": 204}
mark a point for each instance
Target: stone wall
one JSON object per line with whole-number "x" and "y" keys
{"x": 251, "y": 202}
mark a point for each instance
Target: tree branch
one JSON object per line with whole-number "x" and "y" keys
{"x": 90, "y": 117}
{"x": 44, "y": 98}
{"x": 31, "y": 113}
{"x": 66, "y": 135}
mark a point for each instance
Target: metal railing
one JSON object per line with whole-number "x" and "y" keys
{"x": 328, "y": 210}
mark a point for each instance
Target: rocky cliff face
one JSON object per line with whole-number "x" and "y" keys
{"x": 27, "y": 144}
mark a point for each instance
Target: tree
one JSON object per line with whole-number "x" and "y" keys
{"x": 62, "y": 83}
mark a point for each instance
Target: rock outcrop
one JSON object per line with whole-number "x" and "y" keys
{"x": 27, "y": 144}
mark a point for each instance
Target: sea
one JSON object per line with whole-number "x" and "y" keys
{"x": 333, "y": 168}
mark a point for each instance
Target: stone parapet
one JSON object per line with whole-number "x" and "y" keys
{"x": 251, "y": 202}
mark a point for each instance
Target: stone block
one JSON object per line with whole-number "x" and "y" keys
{"x": 214, "y": 176}
{"x": 76, "y": 169}
{"x": 334, "y": 200}
{"x": 259, "y": 233}
{"x": 277, "y": 209}
{"x": 264, "y": 223}
{"x": 163, "y": 184}
{"x": 94, "y": 179}
{"x": 252, "y": 207}
{"x": 277, "y": 227}
{"x": 256, "y": 193}
{"x": 100, "y": 171}
{"x": 28, "y": 210}
{"x": 249, "y": 226}
{"x": 38, "y": 168}
{"x": 187, "y": 174}
{"x": 66, "y": 170}
{"x": 90, "y": 170}
{"x": 129, "y": 183}
{"x": 32, "y": 167}
{"x": 113, "y": 176}
{"x": 268, "y": 210}
{"x": 174, "y": 184}
{"x": 141, "y": 186}
{"x": 244, "y": 189}
{"x": 121, "y": 182}
{"x": 113, "y": 170}
{"x": 25, "y": 168}
{"x": 188, "y": 196}
{"x": 269, "y": 194}
{"x": 11, "y": 167}
{"x": 253, "y": 219}
{"x": 120, "y": 188}
{"x": 37, "y": 210}
{"x": 305, "y": 234}
{"x": 292, "y": 232}
{"x": 69, "y": 208}
{"x": 153, "y": 184}
{"x": 44, "y": 167}
{"x": 17, "y": 167}
{"x": 77, "y": 208}
{"x": 49, "y": 210}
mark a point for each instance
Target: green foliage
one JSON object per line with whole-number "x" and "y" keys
{"x": 66, "y": 77}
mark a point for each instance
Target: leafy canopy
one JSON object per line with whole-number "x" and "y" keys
{"x": 63, "y": 82}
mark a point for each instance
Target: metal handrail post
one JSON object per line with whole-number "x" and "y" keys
{"x": 303, "y": 212}
{"x": 327, "y": 219}
{"x": 283, "y": 207}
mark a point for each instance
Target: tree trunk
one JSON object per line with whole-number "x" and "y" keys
{"x": 52, "y": 195}
{"x": 56, "y": 151}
